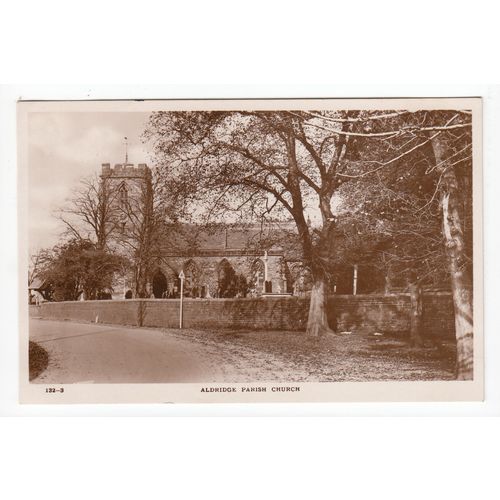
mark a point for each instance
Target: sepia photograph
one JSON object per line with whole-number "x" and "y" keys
{"x": 250, "y": 250}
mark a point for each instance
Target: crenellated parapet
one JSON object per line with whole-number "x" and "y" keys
{"x": 124, "y": 170}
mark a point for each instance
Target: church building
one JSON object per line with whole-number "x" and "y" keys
{"x": 234, "y": 260}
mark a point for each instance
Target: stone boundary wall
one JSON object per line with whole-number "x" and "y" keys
{"x": 356, "y": 313}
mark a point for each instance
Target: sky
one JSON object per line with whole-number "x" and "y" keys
{"x": 63, "y": 148}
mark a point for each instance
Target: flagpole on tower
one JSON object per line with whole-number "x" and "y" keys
{"x": 126, "y": 151}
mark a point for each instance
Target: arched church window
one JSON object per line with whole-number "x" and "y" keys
{"x": 160, "y": 284}
{"x": 191, "y": 276}
{"x": 123, "y": 197}
{"x": 226, "y": 280}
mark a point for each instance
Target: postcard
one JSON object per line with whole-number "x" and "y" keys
{"x": 287, "y": 250}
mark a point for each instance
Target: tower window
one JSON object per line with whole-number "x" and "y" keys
{"x": 123, "y": 197}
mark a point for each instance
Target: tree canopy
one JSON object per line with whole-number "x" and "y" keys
{"x": 363, "y": 173}
{"x": 77, "y": 267}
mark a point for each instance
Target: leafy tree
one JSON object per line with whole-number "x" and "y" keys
{"x": 285, "y": 162}
{"x": 256, "y": 163}
{"x": 79, "y": 266}
{"x": 416, "y": 204}
{"x": 281, "y": 162}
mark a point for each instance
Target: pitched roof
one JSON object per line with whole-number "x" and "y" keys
{"x": 235, "y": 237}
{"x": 36, "y": 284}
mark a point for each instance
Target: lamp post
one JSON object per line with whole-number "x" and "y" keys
{"x": 181, "y": 277}
{"x": 265, "y": 272}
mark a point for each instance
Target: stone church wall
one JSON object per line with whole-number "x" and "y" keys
{"x": 206, "y": 270}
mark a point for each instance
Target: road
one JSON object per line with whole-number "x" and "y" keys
{"x": 86, "y": 353}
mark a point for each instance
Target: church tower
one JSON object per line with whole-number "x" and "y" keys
{"x": 128, "y": 188}
{"x": 128, "y": 193}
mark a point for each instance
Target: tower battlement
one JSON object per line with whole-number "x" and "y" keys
{"x": 124, "y": 170}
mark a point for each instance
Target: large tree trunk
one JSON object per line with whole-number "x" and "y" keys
{"x": 317, "y": 322}
{"x": 141, "y": 283}
{"x": 315, "y": 258}
{"x": 461, "y": 280}
{"x": 461, "y": 290}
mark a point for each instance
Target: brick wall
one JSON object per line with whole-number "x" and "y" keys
{"x": 391, "y": 313}
{"x": 360, "y": 313}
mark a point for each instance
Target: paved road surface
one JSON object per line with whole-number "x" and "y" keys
{"x": 85, "y": 353}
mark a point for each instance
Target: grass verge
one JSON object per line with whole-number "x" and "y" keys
{"x": 38, "y": 360}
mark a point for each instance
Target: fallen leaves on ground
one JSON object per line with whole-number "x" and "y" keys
{"x": 293, "y": 357}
